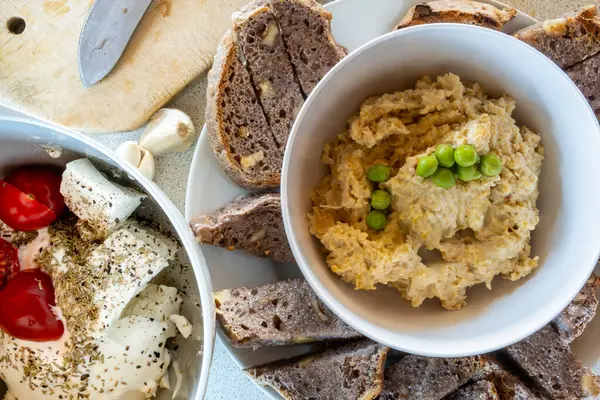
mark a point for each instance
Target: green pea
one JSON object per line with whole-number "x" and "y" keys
{"x": 380, "y": 199}
{"x": 443, "y": 178}
{"x": 379, "y": 173}
{"x": 427, "y": 166}
{"x": 376, "y": 220}
{"x": 465, "y": 155}
{"x": 467, "y": 174}
{"x": 491, "y": 165}
{"x": 445, "y": 155}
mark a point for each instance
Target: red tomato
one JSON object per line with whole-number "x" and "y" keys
{"x": 22, "y": 212}
{"x": 25, "y": 307}
{"x": 41, "y": 184}
{"x": 9, "y": 261}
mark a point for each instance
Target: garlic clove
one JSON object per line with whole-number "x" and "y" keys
{"x": 169, "y": 130}
{"x": 147, "y": 165}
{"x": 130, "y": 152}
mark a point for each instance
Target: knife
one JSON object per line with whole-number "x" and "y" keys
{"x": 105, "y": 34}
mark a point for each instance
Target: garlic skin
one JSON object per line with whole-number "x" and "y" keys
{"x": 140, "y": 158}
{"x": 169, "y": 130}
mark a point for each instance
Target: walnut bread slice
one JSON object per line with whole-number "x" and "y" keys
{"x": 572, "y": 321}
{"x": 278, "y": 90}
{"x": 306, "y": 30}
{"x": 251, "y": 223}
{"x": 480, "y": 390}
{"x": 548, "y": 361}
{"x": 567, "y": 40}
{"x": 509, "y": 387}
{"x": 350, "y": 372}
{"x": 585, "y": 75}
{"x": 282, "y": 313}
{"x": 239, "y": 133}
{"x": 424, "y": 378}
{"x": 458, "y": 11}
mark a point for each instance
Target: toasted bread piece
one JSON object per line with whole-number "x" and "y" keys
{"x": 306, "y": 29}
{"x": 567, "y": 40}
{"x": 572, "y": 321}
{"x": 424, "y": 378}
{"x": 550, "y": 364}
{"x": 237, "y": 126}
{"x": 510, "y": 387}
{"x": 480, "y": 390}
{"x": 282, "y": 313}
{"x": 251, "y": 223}
{"x": 350, "y": 372}
{"x": 585, "y": 75}
{"x": 278, "y": 90}
{"x": 459, "y": 12}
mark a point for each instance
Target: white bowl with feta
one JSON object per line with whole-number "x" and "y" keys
{"x": 132, "y": 315}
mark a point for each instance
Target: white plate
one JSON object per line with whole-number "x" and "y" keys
{"x": 355, "y": 22}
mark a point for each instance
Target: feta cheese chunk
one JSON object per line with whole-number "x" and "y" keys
{"x": 114, "y": 273}
{"x": 165, "y": 246}
{"x": 156, "y": 301}
{"x": 183, "y": 325}
{"x": 102, "y": 204}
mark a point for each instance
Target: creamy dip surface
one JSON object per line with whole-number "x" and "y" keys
{"x": 473, "y": 231}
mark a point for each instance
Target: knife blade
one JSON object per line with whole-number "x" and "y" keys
{"x": 105, "y": 34}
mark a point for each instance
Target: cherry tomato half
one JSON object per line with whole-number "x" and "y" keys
{"x": 9, "y": 261}
{"x": 41, "y": 184}
{"x": 21, "y": 211}
{"x": 26, "y": 307}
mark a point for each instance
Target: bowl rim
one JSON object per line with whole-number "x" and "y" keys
{"x": 181, "y": 227}
{"x": 493, "y": 341}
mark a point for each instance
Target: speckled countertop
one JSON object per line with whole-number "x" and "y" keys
{"x": 226, "y": 380}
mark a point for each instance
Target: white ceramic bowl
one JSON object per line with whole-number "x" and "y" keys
{"x": 21, "y": 143}
{"x": 567, "y": 240}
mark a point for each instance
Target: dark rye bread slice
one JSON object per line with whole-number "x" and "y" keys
{"x": 458, "y": 11}
{"x": 237, "y": 127}
{"x": 510, "y": 387}
{"x": 306, "y": 29}
{"x": 251, "y": 223}
{"x": 585, "y": 75}
{"x": 480, "y": 390}
{"x": 572, "y": 321}
{"x": 424, "y": 378}
{"x": 350, "y": 372}
{"x": 567, "y": 40}
{"x": 278, "y": 90}
{"x": 548, "y": 361}
{"x": 282, "y": 313}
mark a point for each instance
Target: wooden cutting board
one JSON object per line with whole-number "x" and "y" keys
{"x": 39, "y": 74}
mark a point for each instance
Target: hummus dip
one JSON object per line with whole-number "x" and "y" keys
{"x": 437, "y": 242}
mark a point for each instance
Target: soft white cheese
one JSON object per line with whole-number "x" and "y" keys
{"x": 165, "y": 246}
{"x": 155, "y": 301}
{"x": 134, "y": 358}
{"x": 183, "y": 325}
{"x": 102, "y": 204}
{"x": 30, "y": 251}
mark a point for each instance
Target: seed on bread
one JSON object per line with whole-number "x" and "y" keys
{"x": 567, "y": 40}
{"x": 480, "y": 390}
{"x": 306, "y": 30}
{"x": 237, "y": 127}
{"x": 278, "y": 90}
{"x": 350, "y": 372}
{"x": 423, "y": 378}
{"x": 458, "y": 11}
{"x": 252, "y": 223}
{"x": 586, "y": 76}
{"x": 572, "y": 321}
{"x": 548, "y": 361}
{"x": 282, "y": 313}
